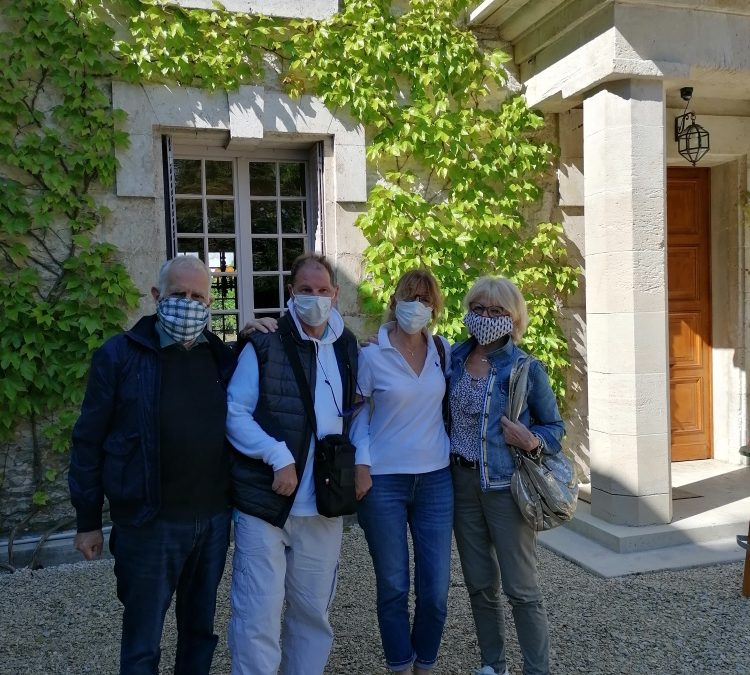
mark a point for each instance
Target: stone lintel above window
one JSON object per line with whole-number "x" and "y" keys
{"x": 247, "y": 118}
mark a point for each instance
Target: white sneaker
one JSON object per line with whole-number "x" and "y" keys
{"x": 488, "y": 670}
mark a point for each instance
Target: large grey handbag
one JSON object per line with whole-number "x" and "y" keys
{"x": 544, "y": 488}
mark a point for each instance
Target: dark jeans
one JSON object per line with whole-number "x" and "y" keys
{"x": 151, "y": 563}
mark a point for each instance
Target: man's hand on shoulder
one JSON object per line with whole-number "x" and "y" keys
{"x": 266, "y": 324}
{"x": 285, "y": 480}
{"x": 90, "y": 544}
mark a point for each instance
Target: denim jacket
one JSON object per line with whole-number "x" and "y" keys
{"x": 540, "y": 414}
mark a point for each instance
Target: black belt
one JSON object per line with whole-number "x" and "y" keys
{"x": 460, "y": 460}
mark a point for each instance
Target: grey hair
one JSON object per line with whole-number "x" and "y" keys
{"x": 180, "y": 262}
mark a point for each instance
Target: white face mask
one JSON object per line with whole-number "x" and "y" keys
{"x": 412, "y": 316}
{"x": 313, "y": 310}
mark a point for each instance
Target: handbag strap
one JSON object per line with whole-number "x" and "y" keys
{"x": 518, "y": 388}
{"x": 299, "y": 374}
{"x": 446, "y": 400}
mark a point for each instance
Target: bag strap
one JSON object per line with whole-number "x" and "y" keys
{"x": 287, "y": 339}
{"x": 440, "y": 350}
{"x": 299, "y": 374}
{"x": 348, "y": 383}
{"x": 518, "y": 388}
{"x": 446, "y": 399}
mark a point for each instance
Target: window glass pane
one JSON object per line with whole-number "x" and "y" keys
{"x": 190, "y": 246}
{"x": 286, "y": 279}
{"x": 290, "y": 249}
{"x": 263, "y": 217}
{"x": 219, "y": 178}
{"x": 187, "y": 176}
{"x": 275, "y": 315}
{"x": 220, "y": 216}
{"x": 225, "y": 326}
{"x": 221, "y": 256}
{"x": 224, "y": 292}
{"x": 262, "y": 179}
{"x": 266, "y": 292}
{"x": 293, "y": 217}
{"x": 189, "y": 214}
{"x": 265, "y": 255}
{"x": 292, "y": 179}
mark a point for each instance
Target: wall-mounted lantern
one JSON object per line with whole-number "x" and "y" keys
{"x": 692, "y": 139}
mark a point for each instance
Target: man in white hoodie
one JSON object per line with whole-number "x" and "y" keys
{"x": 284, "y": 549}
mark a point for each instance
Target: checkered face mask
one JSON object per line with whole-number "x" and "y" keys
{"x": 487, "y": 329}
{"x": 182, "y": 319}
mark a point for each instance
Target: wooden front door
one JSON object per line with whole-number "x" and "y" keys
{"x": 689, "y": 299}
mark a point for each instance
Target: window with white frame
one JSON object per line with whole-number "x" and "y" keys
{"x": 248, "y": 218}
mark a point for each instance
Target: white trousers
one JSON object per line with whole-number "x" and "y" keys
{"x": 297, "y": 563}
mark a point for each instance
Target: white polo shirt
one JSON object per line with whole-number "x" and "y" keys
{"x": 403, "y": 431}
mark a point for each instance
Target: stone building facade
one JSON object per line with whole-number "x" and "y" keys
{"x": 660, "y": 328}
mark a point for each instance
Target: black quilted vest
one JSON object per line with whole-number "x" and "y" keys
{"x": 280, "y": 414}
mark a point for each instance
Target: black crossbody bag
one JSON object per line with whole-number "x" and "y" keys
{"x": 333, "y": 464}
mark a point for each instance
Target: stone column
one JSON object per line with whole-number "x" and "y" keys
{"x": 626, "y": 302}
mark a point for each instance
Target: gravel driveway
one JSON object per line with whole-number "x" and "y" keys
{"x": 66, "y": 619}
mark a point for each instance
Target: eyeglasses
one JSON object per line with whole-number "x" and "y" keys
{"x": 424, "y": 299}
{"x": 494, "y": 312}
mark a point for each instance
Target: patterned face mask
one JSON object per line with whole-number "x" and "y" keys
{"x": 487, "y": 329}
{"x": 182, "y": 319}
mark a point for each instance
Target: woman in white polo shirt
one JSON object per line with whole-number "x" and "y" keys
{"x": 402, "y": 474}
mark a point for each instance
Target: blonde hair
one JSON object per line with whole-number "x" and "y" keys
{"x": 504, "y": 293}
{"x": 407, "y": 287}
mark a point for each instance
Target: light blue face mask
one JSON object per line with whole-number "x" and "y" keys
{"x": 412, "y": 316}
{"x": 313, "y": 310}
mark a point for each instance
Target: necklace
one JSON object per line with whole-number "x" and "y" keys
{"x": 402, "y": 345}
{"x": 412, "y": 352}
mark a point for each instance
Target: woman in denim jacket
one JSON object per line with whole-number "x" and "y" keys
{"x": 495, "y": 544}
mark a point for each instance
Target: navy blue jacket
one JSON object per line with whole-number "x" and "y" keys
{"x": 115, "y": 450}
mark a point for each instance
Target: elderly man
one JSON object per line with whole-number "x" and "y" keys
{"x": 151, "y": 438}
{"x": 284, "y": 549}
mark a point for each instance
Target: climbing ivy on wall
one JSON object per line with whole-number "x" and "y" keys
{"x": 456, "y": 154}
{"x": 63, "y": 291}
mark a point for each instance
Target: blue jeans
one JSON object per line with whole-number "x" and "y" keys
{"x": 498, "y": 548}
{"x": 424, "y": 502}
{"x": 151, "y": 563}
